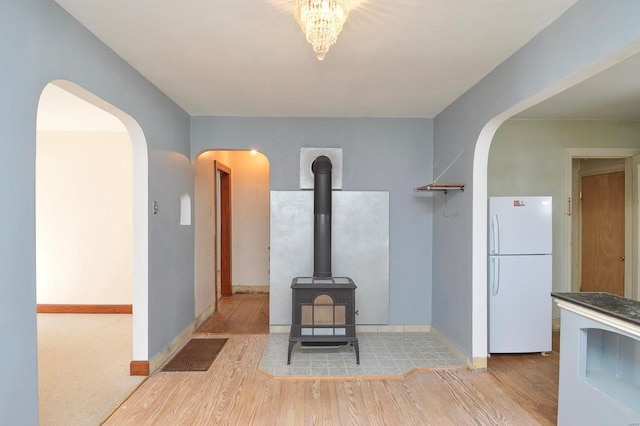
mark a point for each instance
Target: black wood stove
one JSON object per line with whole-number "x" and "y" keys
{"x": 323, "y": 307}
{"x": 323, "y": 313}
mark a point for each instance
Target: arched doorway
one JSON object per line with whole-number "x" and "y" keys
{"x": 235, "y": 184}
{"x": 480, "y": 193}
{"x": 91, "y": 223}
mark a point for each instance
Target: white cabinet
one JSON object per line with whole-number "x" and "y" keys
{"x": 599, "y": 367}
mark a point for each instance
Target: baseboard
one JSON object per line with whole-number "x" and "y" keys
{"x": 250, "y": 289}
{"x": 83, "y": 309}
{"x": 402, "y": 328}
{"x": 204, "y": 315}
{"x": 139, "y": 368}
{"x": 406, "y": 328}
{"x": 477, "y": 363}
{"x": 180, "y": 340}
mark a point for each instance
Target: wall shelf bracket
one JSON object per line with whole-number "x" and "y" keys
{"x": 441, "y": 187}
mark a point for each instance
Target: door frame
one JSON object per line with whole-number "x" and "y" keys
{"x": 224, "y": 192}
{"x": 631, "y": 285}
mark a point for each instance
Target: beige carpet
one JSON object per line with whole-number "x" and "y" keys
{"x": 83, "y": 367}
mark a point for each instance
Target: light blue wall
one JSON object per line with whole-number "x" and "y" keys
{"x": 39, "y": 43}
{"x": 588, "y": 32}
{"x": 378, "y": 155}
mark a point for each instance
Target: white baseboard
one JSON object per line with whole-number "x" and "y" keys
{"x": 369, "y": 328}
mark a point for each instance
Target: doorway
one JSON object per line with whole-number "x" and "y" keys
{"x": 602, "y": 204}
{"x": 232, "y": 207}
{"x": 85, "y": 252}
{"x": 84, "y": 220}
{"x": 601, "y": 217}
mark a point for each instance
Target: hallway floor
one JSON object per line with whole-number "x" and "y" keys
{"x": 239, "y": 314}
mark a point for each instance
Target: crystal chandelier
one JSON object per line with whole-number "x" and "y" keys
{"x": 321, "y": 21}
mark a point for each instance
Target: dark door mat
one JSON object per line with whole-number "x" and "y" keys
{"x": 196, "y": 355}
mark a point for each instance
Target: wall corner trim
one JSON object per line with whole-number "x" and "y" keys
{"x": 139, "y": 368}
{"x": 478, "y": 364}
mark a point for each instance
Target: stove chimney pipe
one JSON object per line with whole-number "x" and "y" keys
{"x": 321, "y": 168}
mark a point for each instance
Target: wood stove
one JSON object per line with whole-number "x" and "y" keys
{"x": 323, "y": 307}
{"x": 323, "y": 313}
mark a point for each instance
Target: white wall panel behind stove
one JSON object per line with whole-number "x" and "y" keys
{"x": 360, "y": 249}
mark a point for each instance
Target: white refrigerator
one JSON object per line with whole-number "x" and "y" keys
{"x": 520, "y": 242}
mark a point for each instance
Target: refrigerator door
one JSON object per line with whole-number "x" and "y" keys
{"x": 520, "y": 225}
{"x": 520, "y": 304}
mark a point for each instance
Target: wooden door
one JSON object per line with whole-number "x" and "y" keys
{"x": 223, "y": 227}
{"x": 603, "y": 203}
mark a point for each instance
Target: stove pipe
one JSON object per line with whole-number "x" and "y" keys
{"x": 321, "y": 168}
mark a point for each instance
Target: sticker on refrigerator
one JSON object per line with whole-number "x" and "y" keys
{"x": 518, "y": 203}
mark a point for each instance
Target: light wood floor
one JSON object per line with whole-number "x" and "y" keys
{"x": 239, "y": 314}
{"x": 516, "y": 389}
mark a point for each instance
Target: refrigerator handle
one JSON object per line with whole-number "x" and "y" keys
{"x": 495, "y": 233}
{"x": 495, "y": 276}
{"x": 492, "y": 275}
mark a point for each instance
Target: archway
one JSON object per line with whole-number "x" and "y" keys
{"x": 84, "y": 251}
{"x": 139, "y": 223}
{"x": 249, "y": 222}
{"x": 480, "y": 194}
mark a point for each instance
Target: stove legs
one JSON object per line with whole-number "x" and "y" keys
{"x": 354, "y": 343}
{"x": 291, "y": 345}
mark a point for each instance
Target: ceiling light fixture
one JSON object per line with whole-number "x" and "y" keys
{"x": 321, "y": 21}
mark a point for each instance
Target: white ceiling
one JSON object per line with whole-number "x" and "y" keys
{"x": 394, "y": 58}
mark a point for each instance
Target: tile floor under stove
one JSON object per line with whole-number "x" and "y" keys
{"x": 381, "y": 354}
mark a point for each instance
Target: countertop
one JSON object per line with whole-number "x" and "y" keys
{"x": 610, "y": 304}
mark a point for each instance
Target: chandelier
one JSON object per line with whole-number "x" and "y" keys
{"x": 321, "y": 21}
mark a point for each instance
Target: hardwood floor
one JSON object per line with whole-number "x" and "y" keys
{"x": 239, "y": 314}
{"x": 516, "y": 389}
{"x": 531, "y": 380}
